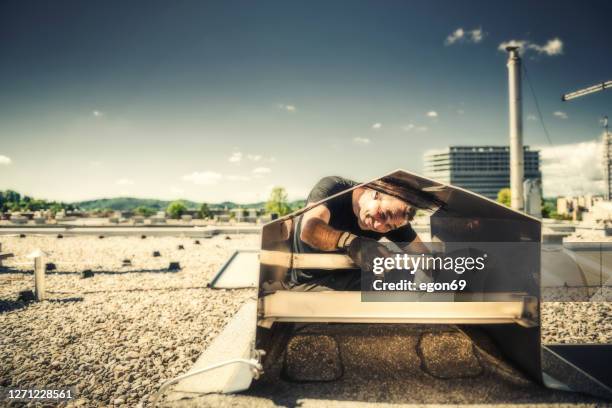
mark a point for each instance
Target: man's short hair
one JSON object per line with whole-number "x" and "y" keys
{"x": 399, "y": 189}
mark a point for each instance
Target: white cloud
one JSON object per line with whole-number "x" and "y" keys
{"x": 237, "y": 177}
{"x": 361, "y": 140}
{"x": 432, "y": 114}
{"x": 203, "y": 178}
{"x": 560, "y": 115}
{"x": 572, "y": 169}
{"x": 411, "y": 126}
{"x": 261, "y": 170}
{"x": 377, "y": 126}
{"x": 236, "y": 157}
{"x": 455, "y": 36}
{"x": 288, "y": 108}
{"x": 477, "y": 35}
{"x": 532, "y": 117}
{"x": 5, "y": 160}
{"x": 551, "y": 48}
{"x": 511, "y": 43}
{"x": 97, "y": 113}
{"x": 461, "y": 35}
{"x": 176, "y": 190}
{"x": 124, "y": 182}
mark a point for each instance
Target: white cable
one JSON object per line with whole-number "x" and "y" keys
{"x": 253, "y": 363}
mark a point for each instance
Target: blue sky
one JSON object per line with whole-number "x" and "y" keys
{"x": 222, "y": 100}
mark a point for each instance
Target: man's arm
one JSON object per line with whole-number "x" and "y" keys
{"x": 416, "y": 246}
{"x": 408, "y": 240}
{"x": 316, "y": 231}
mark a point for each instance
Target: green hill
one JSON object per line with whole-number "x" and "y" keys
{"x": 130, "y": 203}
{"x": 14, "y": 201}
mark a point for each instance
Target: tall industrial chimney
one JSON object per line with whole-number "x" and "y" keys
{"x": 516, "y": 128}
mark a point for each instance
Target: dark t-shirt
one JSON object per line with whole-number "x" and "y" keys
{"x": 342, "y": 218}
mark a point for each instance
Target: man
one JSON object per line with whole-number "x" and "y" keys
{"x": 352, "y": 222}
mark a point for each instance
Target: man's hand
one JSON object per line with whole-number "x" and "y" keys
{"x": 362, "y": 251}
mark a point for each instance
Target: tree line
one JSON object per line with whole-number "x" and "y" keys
{"x": 277, "y": 203}
{"x": 13, "y": 201}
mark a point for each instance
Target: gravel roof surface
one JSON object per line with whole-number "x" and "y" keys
{"x": 399, "y": 366}
{"x": 117, "y": 336}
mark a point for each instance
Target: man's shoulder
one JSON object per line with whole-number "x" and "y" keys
{"x": 329, "y": 186}
{"x": 336, "y": 182}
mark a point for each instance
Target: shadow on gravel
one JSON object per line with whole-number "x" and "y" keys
{"x": 10, "y": 305}
{"x": 93, "y": 292}
{"x": 8, "y": 271}
{"x": 164, "y": 270}
{"x": 96, "y": 272}
{"x": 146, "y": 290}
{"x": 66, "y": 300}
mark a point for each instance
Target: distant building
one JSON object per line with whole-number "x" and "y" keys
{"x": 575, "y": 207}
{"x": 245, "y": 214}
{"x": 482, "y": 169}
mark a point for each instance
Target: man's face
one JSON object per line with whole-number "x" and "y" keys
{"x": 381, "y": 212}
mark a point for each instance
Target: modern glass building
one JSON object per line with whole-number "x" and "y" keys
{"x": 482, "y": 169}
